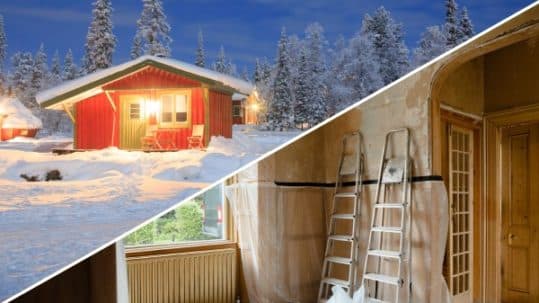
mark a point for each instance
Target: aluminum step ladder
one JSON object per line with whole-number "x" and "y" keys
{"x": 387, "y": 262}
{"x": 342, "y": 232}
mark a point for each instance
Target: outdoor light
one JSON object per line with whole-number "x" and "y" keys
{"x": 255, "y": 107}
{"x": 152, "y": 107}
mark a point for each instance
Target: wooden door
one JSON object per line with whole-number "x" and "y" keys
{"x": 520, "y": 214}
{"x": 132, "y": 122}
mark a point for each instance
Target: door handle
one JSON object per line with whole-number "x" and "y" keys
{"x": 511, "y": 237}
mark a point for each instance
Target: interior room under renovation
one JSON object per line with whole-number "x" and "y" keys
{"x": 455, "y": 195}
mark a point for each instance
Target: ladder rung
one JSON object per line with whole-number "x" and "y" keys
{"x": 384, "y": 229}
{"x": 334, "y": 281}
{"x": 343, "y": 216}
{"x": 340, "y": 260}
{"x": 389, "y": 205}
{"x": 383, "y": 279}
{"x": 341, "y": 238}
{"x": 385, "y": 181}
{"x": 345, "y": 195}
{"x": 384, "y": 253}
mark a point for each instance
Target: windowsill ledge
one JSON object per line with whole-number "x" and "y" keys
{"x": 164, "y": 249}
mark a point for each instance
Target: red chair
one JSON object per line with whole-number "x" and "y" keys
{"x": 195, "y": 140}
{"x": 150, "y": 140}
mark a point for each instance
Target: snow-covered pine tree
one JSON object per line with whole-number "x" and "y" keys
{"x": 21, "y": 78}
{"x": 245, "y": 74}
{"x": 431, "y": 45}
{"x": 390, "y": 51}
{"x": 295, "y": 44}
{"x": 451, "y": 30}
{"x": 280, "y": 114}
{"x": 136, "y": 48}
{"x": 3, "y": 52}
{"x": 55, "y": 76}
{"x": 222, "y": 64}
{"x": 314, "y": 44}
{"x": 153, "y": 29}
{"x": 200, "y": 59}
{"x": 70, "y": 71}
{"x": 100, "y": 40}
{"x": 302, "y": 116}
{"x": 465, "y": 28}
{"x": 359, "y": 76}
{"x": 257, "y": 75}
{"x": 333, "y": 83}
{"x": 40, "y": 72}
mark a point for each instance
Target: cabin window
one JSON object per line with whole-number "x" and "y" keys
{"x": 174, "y": 109}
{"x": 196, "y": 221}
{"x": 236, "y": 110}
{"x": 134, "y": 111}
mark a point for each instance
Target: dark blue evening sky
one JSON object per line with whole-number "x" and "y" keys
{"x": 247, "y": 29}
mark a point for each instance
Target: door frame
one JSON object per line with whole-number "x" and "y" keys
{"x": 474, "y": 124}
{"x": 494, "y": 123}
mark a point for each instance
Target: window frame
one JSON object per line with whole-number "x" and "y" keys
{"x": 188, "y": 107}
{"x": 227, "y": 241}
{"x": 239, "y": 107}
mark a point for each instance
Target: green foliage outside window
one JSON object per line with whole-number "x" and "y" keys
{"x": 185, "y": 223}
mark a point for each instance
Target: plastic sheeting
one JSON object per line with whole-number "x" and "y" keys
{"x": 281, "y": 239}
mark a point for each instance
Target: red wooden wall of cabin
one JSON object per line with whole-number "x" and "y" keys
{"x": 220, "y": 114}
{"x": 96, "y": 124}
{"x": 197, "y": 117}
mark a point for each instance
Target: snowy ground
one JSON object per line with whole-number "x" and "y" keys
{"x": 44, "y": 226}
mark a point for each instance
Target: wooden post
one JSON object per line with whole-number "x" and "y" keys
{"x": 207, "y": 133}
{"x": 69, "y": 113}
{"x": 107, "y": 93}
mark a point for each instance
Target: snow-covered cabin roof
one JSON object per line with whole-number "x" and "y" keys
{"x": 16, "y": 115}
{"x": 89, "y": 85}
{"x": 238, "y": 97}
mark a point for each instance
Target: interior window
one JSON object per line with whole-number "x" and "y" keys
{"x": 200, "y": 219}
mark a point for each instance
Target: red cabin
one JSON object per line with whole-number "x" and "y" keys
{"x": 16, "y": 120}
{"x": 147, "y": 98}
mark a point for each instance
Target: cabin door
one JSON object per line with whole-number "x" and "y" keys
{"x": 520, "y": 214}
{"x": 132, "y": 122}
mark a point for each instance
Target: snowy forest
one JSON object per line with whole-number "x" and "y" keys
{"x": 309, "y": 79}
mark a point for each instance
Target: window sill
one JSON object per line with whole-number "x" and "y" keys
{"x": 164, "y": 249}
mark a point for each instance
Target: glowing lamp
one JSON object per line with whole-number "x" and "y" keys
{"x": 152, "y": 108}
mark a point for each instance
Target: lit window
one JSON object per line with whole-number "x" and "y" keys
{"x": 200, "y": 219}
{"x": 236, "y": 110}
{"x": 181, "y": 108}
{"x": 134, "y": 111}
{"x": 174, "y": 109}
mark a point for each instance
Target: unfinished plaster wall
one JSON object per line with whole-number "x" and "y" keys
{"x": 464, "y": 89}
{"x": 511, "y": 76}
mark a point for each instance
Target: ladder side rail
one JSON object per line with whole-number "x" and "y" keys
{"x": 357, "y": 211}
{"x": 376, "y": 201}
